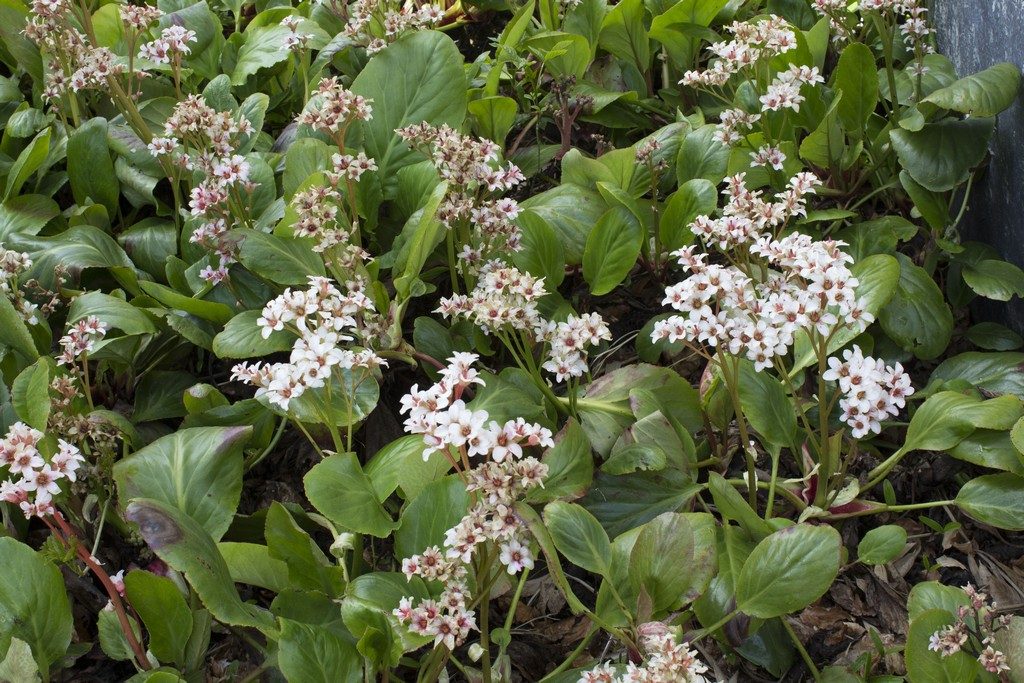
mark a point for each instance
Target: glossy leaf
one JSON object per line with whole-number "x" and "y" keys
{"x": 579, "y": 536}
{"x": 358, "y": 509}
{"x": 34, "y": 605}
{"x": 198, "y": 471}
{"x": 788, "y": 571}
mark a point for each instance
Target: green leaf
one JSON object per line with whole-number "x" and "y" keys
{"x": 941, "y": 155}
{"x": 27, "y": 163}
{"x": 882, "y": 544}
{"x": 856, "y": 77}
{"x": 826, "y": 144}
{"x": 990, "y": 448}
{"x": 417, "y": 78}
{"x": 541, "y": 254}
{"x": 26, "y": 214}
{"x": 570, "y": 467}
{"x": 308, "y": 567}
{"x": 241, "y": 338}
{"x": 14, "y": 333}
{"x": 946, "y": 417}
{"x": 623, "y": 34}
{"x": 90, "y": 168}
{"x": 694, "y": 198}
{"x": 572, "y": 212}
{"x": 207, "y": 310}
{"x": 994, "y": 279}
{"x": 994, "y": 337}
{"x": 425, "y": 520}
{"x": 73, "y": 250}
{"x": 429, "y": 232}
{"x": 667, "y": 563}
{"x": 634, "y": 457}
{"x": 116, "y": 313}
{"x": 766, "y": 405}
{"x": 924, "y": 664}
{"x": 251, "y": 564}
{"x": 579, "y": 536}
{"x": 159, "y": 395}
{"x": 732, "y": 506}
{"x": 183, "y": 544}
{"x": 917, "y": 317}
{"x": 162, "y": 608}
{"x": 929, "y": 595}
{"x": 621, "y": 503}
{"x": 18, "y": 664}
{"x": 30, "y": 394}
{"x": 197, "y": 470}
{"x": 613, "y": 247}
{"x": 998, "y": 373}
{"x": 788, "y": 571}
{"x": 282, "y": 260}
{"x": 400, "y": 465}
{"x": 112, "y": 639}
{"x": 494, "y": 117}
{"x": 358, "y": 509}
{"x": 263, "y": 47}
{"x": 678, "y": 28}
{"x": 700, "y": 156}
{"x": 34, "y": 605}
{"x": 985, "y": 93}
{"x": 995, "y": 499}
{"x": 313, "y": 654}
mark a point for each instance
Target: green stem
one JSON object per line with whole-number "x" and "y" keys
{"x": 512, "y": 610}
{"x": 801, "y": 649}
{"x": 567, "y": 662}
{"x": 732, "y": 383}
{"x": 878, "y": 474}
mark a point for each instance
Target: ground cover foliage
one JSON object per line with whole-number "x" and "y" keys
{"x": 563, "y": 340}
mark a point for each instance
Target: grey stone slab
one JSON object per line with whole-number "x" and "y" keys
{"x": 975, "y": 34}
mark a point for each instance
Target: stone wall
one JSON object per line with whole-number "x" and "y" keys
{"x": 976, "y": 34}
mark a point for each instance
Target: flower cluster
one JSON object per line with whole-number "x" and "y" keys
{"x": 295, "y": 41}
{"x": 474, "y": 174}
{"x": 505, "y": 300}
{"x": 322, "y": 317}
{"x": 12, "y": 265}
{"x": 667, "y": 660}
{"x": 872, "y": 390}
{"x": 318, "y": 209}
{"x": 333, "y": 108}
{"x": 374, "y": 24}
{"x": 52, "y": 26}
{"x": 974, "y": 631}
{"x": 782, "y": 93}
{"x": 80, "y": 339}
{"x": 139, "y": 17}
{"x": 38, "y": 477}
{"x": 503, "y": 476}
{"x": 172, "y": 45}
{"x": 794, "y": 283}
{"x": 751, "y": 43}
{"x": 844, "y": 22}
{"x": 200, "y": 139}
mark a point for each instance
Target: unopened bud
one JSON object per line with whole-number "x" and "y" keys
{"x": 341, "y": 544}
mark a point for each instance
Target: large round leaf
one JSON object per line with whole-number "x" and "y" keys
{"x": 613, "y": 247}
{"x": 579, "y": 536}
{"x": 941, "y": 154}
{"x": 197, "y": 471}
{"x": 417, "y": 78}
{"x": 996, "y": 499}
{"x": 788, "y": 571}
{"x": 34, "y": 605}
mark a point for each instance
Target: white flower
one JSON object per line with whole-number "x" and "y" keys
{"x": 515, "y": 556}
